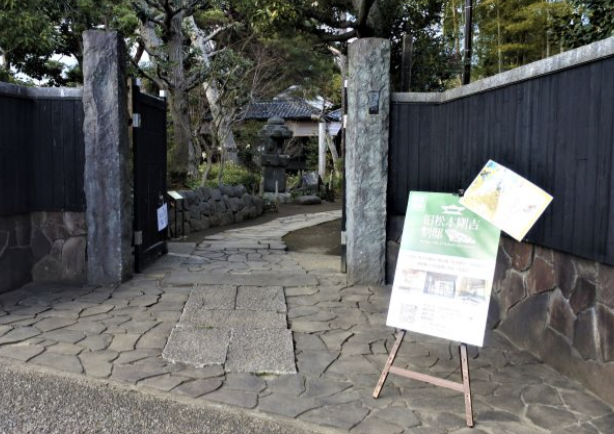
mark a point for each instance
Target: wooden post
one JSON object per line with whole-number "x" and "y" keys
{"x": 464, "y": 387}
{"x": 389, "y": 362}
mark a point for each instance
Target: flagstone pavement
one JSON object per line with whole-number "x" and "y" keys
{"x": 238, "y": 320}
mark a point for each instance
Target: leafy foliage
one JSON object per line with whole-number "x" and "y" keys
{"x": 234, "y": 174}
{"x": 591, "y": 21}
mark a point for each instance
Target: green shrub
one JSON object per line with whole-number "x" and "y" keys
{"x": 235, "y": 175}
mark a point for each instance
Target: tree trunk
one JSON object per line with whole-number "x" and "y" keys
{"x": 209, "y": 151}
{"x": 183, "y": 161}
{"x": 222, "y": 116}
{"x": 322, "y": 149}
{"x": 333, "y": 152}
{"x": 184, "y": 158}
{"x": 455, "y": 29}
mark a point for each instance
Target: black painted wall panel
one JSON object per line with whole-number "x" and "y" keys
{"x": 556, "y": 130}
{"x": 42, "y": 155}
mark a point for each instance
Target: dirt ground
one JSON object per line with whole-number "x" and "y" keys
{"x": 324, "y": 239}
{"x": 318, "y": 239}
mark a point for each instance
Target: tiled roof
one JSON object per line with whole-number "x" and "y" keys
{"x": 288, "y": 109}
{"x": 335, "y": 115}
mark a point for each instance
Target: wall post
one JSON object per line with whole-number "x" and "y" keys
{"x": 367, "y": 159}
{"x": 107, "y": 159}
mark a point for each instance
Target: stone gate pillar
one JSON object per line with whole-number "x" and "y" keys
{"x": 107, "y": 159}
{"x": 366, "y": 159}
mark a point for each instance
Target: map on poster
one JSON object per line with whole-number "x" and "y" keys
{"x": 445, "y": 269}
{"x": 506, "y": 200}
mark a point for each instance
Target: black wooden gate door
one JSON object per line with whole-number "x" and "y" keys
{"x": 149, "y": 153}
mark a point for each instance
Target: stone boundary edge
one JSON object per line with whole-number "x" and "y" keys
{"x": 580, "y": 56}
{"x": 8, "y": 89}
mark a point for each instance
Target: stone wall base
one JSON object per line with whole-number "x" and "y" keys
{"x": 556, "y": 306}
{"x": 209, "y": 207}
{"x": 42, "y": 247}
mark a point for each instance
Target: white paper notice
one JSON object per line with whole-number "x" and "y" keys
{"x": 162, "y": 217}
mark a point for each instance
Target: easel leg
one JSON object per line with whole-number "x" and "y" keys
{"x": 466, "y": 385}
{"x": 389, "y": 362}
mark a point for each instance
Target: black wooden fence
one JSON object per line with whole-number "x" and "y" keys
{"x": 556, "y": 130}
{"x": 41, "y": 150}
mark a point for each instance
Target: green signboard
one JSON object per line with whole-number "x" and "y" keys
{"x": 445, "y": 268}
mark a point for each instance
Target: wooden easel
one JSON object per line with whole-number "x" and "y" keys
{"x": 463, "y": 387}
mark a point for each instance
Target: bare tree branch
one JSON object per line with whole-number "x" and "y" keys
{"x": 148, "y": 76}
{"x": 331, "y": 37}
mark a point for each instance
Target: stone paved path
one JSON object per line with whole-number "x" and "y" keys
{"x": 339, "y": 339}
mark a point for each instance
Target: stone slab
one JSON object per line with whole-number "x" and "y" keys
{"x": 197, "y": 347}
{"x": 243, "y": 381}
{"x": 241, "y": 319}
{"x": 253, "y": 279}
{"x": 19, "y": 334}
{"x": 164, "y": 383}
{"x": 261, "y": 351}
{"x": 197, "y": 388}
{"x": 344, "y": 416}
{"x": 61, "y": 362}
{"x": 212, "y": 297}
{"x": 50, "y": 324}
{"x": 181, "y": 248}
{"x": 286, "y": 405}
{"x": 237, "y": 398}
{"x": 261, "y": 298}
{"x": 134, "y": 373}
{"x": 21, "y": 352}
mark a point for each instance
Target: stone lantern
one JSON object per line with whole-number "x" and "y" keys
{"x": 274, "y": 134}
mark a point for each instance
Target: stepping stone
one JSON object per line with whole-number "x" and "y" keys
{"x": 134, "y": 373}
{"x": 197, "y": 388}
{"x": 61, "y": 362}
{"x": 21, "y": 352}
{"x": 344, "y": 416}
{"x": 164, "y": 383}
{"x": 286, "y": 405}
{"x": 237, "y": 398}
{"x": 19, "y": 334}
{"x": 248, "y": 382}
{"x": 197, "y": 347}
{"x": 54, "y": 323}
{"x": 253, "y": 279}
{"x": 261, "y": 298}
{"x": 241, "y": 319}
{"x": 181, "y": 248}
{"x": 212, "y": 297}
{"x": 261, "y": 351}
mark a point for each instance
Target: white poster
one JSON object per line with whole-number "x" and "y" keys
{"x": 162, "y": 217}
{"x": 445, "y": 268}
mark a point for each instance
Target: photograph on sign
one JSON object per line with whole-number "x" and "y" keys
{"x": 162, "y": 217}
{"x": 445, "y": 269}
{"x": 506, "y": 200}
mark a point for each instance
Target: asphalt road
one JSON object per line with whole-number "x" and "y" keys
{"x": 45, "y": 403}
